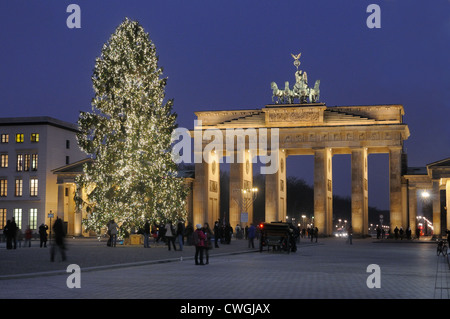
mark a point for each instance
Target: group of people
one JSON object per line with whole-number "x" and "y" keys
{"x": 14, "y": 237}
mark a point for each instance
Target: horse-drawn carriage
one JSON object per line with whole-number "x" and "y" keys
{"x": 280, "y": 236}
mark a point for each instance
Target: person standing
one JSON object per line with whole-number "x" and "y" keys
{"x": 13, "y": 230}
{"x": 350, "y": 234}
{"x": 180, "y": 234}
{"x": 7, "y": 232}
{"x": 170, "y": 235}
{"x": 199, "y": 239}
{"x": 147, "y": 234}
{"x": 251, "y": 233}
{"x": 216, "y": 234}
{"x": 28, "y": 235}
{"x": 43, "y": 235}
{"x": 58, "y": 230}
{"x": 208, "y": 243}
{"x": 112, "y": 229}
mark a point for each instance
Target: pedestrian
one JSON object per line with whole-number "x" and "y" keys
{"x": 246, "y": 232}
{"x": 180, "y": 234}
{"x": 8, "y": 234}
{"x": 14, "y": 229}
{"x": 112, "y": 230}
{"x": 316, "y": 233}
{"x": 59, "y": 234}
{"x": 170, "y": 235}
{"x": 147, "y": 234}
{"x": 408, "y": 233}
{"x": 349, "y": 234}
{"x": 189, "y": 232}
{"x": 19, "y": 237}
{"x": 418, "y": 233}
{"x": 199, "y": 239}
{"x": 28, "y": 236}
{"x": 251, "y": 233}
{"x": 228, "y": 233}
{"x": 208, "y": 242}
{"x": 43, "y": 235}
{"x": 396, "y": 232}
{"x": 378, "y": 232}
{"x": 401, "y": 233}
{"x": 216, "y": 234}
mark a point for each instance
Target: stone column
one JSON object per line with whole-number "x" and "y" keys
{"x": 323, "y": 191}
{"x": 241, "y": 177}
{"x": 413, "y": 209}
{"x": 61, "y": 202}
{"x": 360, "y": 203}
{"x": 276, "y": 191}
{"x": 447, "y": 202}
{"x": 436, "y": 198}
{"x": 206, "y": 190}
{"x": 395, "y": 188}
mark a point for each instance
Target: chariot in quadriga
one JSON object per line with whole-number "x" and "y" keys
{"x": 299, "y": 91}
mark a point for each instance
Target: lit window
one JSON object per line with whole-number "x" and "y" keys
{"x": 19, "y": 166}
{"x": 5, "y": 138}
{"x": 3, "y": 187}
{"x": 33, "y": 187}
{"x": 19, "y": 188}
{"x": 34, "y": 162}
{"x": 32, "y": 220}
{"x": 2, "y": 217}
{"x": 19, "y": 138}
{"x": 34, "y": 137}
{"x": 18, "y": 217}
{"x": 26, "y": 166}
{"x": 4, "y": 160}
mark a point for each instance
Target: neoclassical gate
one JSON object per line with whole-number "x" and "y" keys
{"x": 303, "y": 129}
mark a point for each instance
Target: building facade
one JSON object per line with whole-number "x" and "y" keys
{"x": 30, "y": 148}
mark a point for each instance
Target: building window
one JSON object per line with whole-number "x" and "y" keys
{"x": 19, "y": 138}
{"x": 3, "y": 187}
{"x": 4, "y": 160}
{"x": 5, "y": 138}
{"x": 67, "y": 144}
{"x": 32, "y": 220}
{"x": 26, "y": 163}
{"x": 18, "y": 217}
{"x": 34, "y": 137}
{"x": 19, "y": 188}
{"x": 19, "y": 166}
{"x": 34, "y": 162}
{"x": 33, "y": 187}
{"x": 67, "y": 160}
{"x": 2, "y": 217}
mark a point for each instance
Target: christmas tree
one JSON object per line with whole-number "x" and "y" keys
{"x": 133, "y": 177}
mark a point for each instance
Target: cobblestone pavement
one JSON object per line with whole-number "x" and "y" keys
{"x": 330, "y": 269}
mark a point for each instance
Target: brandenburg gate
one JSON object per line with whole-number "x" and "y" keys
{"x": 304, "y": 128}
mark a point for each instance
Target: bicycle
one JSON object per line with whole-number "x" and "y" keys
{"x": 442, "y": 248}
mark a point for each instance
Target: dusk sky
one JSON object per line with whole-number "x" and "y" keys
{"x": 222, "y": 55}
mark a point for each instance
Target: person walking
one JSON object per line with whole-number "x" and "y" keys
{"x": 43, "y": 235}
{"x": 208, "y": 242}
{"x": 170, "y": 235}
{"x": 19, "y": 237}
{"x": 58, "y": 230}
{"x": 251, "y": 233}
{"x": 147, "y": 234}
{"x": 199, "y": 239}
{"x": 112, "y": 230}
{"x": 180, "y": 234}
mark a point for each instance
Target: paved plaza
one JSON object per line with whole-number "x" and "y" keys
{"x": 329, "y": 269}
